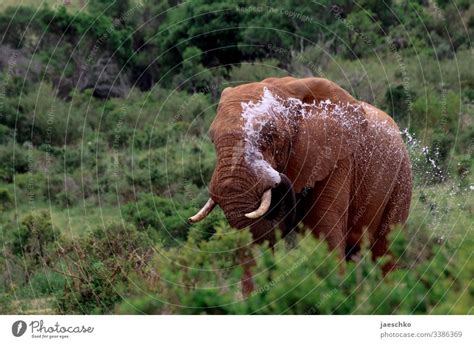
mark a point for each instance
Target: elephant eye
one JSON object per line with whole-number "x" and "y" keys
{"x": 265, "y": 140}
{"x": 266, "y": 134}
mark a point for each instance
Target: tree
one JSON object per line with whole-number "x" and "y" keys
{"x": 115, "y": 8}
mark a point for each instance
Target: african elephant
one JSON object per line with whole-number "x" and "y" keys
{"x": 304, "y": 150}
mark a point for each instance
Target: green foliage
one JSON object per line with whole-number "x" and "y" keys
{"x": 194, "y": 76}
{"x": 307, "y": 281}
{"x": 34, "y": 235}
{"x": 201, "y": 26}
{"x": 114, "y": 9}
{"x": 302, "y": 280}
{"x": 14, "y": 22}
{"x": 98, "y": 265}
{"x": 41, "y": 118}
{"x": 45, "y": 283}
{"x": 200, "y": 277}
{"x": 6, "y": 199}
{"x": 397, "y": 103}
{"x": 5, "y": 134}
{"x": 255, "y": 71}
{"x": 35, "y": 243}
{"x": 360, "y": 34}
{"x": 435, "y": 111}
{"x": 13, "y": 159}
{"x": 164, "y": 219}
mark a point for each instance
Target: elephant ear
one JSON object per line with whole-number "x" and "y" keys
{"x": 328, "y": 131}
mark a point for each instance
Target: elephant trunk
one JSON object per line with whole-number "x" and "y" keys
{"x": 268, "y": 209}
{"x": 249, "y": 190}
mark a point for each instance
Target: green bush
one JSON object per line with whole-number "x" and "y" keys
{"x": 5, "y": 134}
{"x": 199, "y": 277}
{"x": 35, "y": 243}
{"x": 45, "y": 283}
{"x": 193, "y": 76}
{"x": 255, "y": 71}
{"x": 97, "y": 268}
{"x": 34, "y": 236}
{"x": 204, "y": 278}
{"x": 6, "y": 199}
{"x": 63, "y": 190}
{"x": 397, "y": 103}
{"x": 48, "y": 119}
{"x": 117, "y": 9}
{"x": 164, "y": 219}
{"x": 434, "y": 110}
{"x": 13, "y": 159}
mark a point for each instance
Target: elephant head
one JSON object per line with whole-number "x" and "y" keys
{"x": 272, "y": 139}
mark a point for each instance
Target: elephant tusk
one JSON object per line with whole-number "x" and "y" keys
{"x": 264, "y": 205}
{"x": 210, "y": 204}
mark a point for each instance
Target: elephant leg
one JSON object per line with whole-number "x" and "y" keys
{"x": 395, "y": 212}
{"x": 246, "y": 261}
{"x": 352, "y": 249}
{"x": 327, "y": 208}
{"x": 247, "y": 282}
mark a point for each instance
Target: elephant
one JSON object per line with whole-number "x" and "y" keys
{"x": 293, "y": 151}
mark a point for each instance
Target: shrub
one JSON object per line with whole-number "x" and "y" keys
{"x": 436, "y": 111}
{"x": 35, "y": 234}
{"x": 193, "y": 75}
{"x": 45, "y": 283}
{"x": 164, "y": 219}
{"x": 397, "y": 103}
{"x": 48, "y": 119}
{"x": 255, "y": 71}
{"x": 166, "y": 168}
{"x": 117, "y": 9}
{"x": 35, "y": 184}
{"x": 200, "y": 277}
{"x": 35, "y": 242}
{"x": 63, "y": 190}
{"x": 6, "y": 199}
{"x": 5, "y": 134}
{"x": 13, "y": 159}
{"x": 99, "y": 265}
{"x": 203, "y": 277}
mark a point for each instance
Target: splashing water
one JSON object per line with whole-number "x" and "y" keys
{"x": 255, "y": 116}
{"x": 421, "y": 155}
{"x": 439, "y": 205}
{"x": 271, "y": 107}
